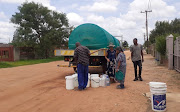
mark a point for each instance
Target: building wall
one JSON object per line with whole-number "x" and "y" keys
{"x": 6, "y": 53}
{"x": 16, "y": 54}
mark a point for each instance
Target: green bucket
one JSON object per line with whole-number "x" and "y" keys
{"x": 119, "y": 75}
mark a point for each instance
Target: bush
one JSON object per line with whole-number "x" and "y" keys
{"x": 161, "y": 45}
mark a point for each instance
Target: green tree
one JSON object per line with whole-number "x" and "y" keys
{"x": 165, "y": 28}
{"x": 161, "y": 28}
{"x": 40, "y": 28}
{"x": 125, "y": 44}
{"x": 161, "y": 44}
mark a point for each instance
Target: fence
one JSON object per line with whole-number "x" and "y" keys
{"x": 169, "y": 50}
{"x": 177, "y": 54}
{"x": 173, "y": 54}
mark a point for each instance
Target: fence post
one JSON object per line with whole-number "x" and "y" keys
{"x": 169, "y": 50}
{"x": 177, "y": 54}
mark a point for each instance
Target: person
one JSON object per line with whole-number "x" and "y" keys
{"x": 120, "y": 65}
{"x": 81, "y": 55}
{"x": 110, "y": 57}
{"x": 136, "y": 54}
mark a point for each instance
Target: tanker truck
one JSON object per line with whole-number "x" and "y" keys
{"x": 93, "y": 37}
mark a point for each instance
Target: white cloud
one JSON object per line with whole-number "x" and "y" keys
{"x": 101, "y": 6}
{"x": 74, "y": 19}
{"x": 110, "y": 15}
{"x": 2, "y": 15}
{"x": 94, "y": 18}
{"x": 44, "y": 2}
{"x": 159, "y": 9}
{"x": 6, "y": 31}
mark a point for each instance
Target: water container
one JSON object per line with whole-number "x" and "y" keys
{"x": 158, "y": 96}
{"x": 100, "y": 83}
{"x": 94, "y": 75}
{"x": 89, "y": 80}
{"x": 103, "y": 81}
{"x": 104, "y": 75}
{"x": 95, "y": 82}
{"x": 76, "y": 84}
{"x": 107, "y": 81}
{"x": 69, "y": 82}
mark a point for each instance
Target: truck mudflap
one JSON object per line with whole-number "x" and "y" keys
{"x": 72, "y": 66}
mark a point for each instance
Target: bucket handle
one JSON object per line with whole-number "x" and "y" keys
{"x": 95, "y": 81}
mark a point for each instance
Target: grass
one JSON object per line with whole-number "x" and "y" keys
{"x": 28, "y": 62}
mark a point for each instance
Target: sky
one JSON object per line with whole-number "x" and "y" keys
{"x": 118, "y": 17}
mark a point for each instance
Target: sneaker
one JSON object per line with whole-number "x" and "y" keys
{"x": 121, "y": 86}
{"x": 140, "y": 79}
{"x": 118, "y": 87}
{"x": 135, "y": 79}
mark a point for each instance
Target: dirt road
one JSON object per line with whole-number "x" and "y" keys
{"x": 41, "y": 88}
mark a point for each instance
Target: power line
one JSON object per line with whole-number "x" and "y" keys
{"x": 149, "y": 5}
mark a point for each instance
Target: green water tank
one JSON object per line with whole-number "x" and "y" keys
{"x": 91, "y": 36}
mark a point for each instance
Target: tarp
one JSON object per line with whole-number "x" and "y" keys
{"x": 91, "y": 36}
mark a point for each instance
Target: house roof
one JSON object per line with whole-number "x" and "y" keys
{"x": 5, "y": 45}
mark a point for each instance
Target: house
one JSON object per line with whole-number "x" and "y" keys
{"x": 9, "y": 52}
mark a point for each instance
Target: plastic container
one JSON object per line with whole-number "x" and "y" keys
{"x": 69, "y": 82}
{"x": 104, "y": 75}
{"x": 158, "y": 96}
{"x": 95, "y": 82}
{"x": 107, "y": 81}
{"x": 103, "y": 82}
{"x": 89, "y": 80}
{"x": 94, "y": 75}
{"x": 76, "y": 84}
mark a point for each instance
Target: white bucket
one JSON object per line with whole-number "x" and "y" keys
{"x": 95, "y": 82}
{"x": 94, "y": 75}
{"x": 157, "y": 84}
{"x": 158, "y": 96}
{"x": 104, "y": 75}
{"x": 76, "y": 84}
{"x": 89, "y": 80}
{"x": 102, "y": 82}
{"x": 69, "y": 82}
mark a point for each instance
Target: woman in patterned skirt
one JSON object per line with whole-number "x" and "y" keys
{"x": 111, "y": 61}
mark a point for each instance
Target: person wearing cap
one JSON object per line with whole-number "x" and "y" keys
{"x": 137, "y": 58}
{"x": 120, "y": 65}
{"x": 110, "y": 57}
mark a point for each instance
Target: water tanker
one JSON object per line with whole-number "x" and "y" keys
{"x": 93, "y": 37}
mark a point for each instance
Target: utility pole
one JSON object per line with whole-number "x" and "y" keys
{"x": 146, "y": 11}
{"x": 144, "y": 38}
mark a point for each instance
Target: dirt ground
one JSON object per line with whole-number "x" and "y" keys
{"x": 41, "y": 88}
